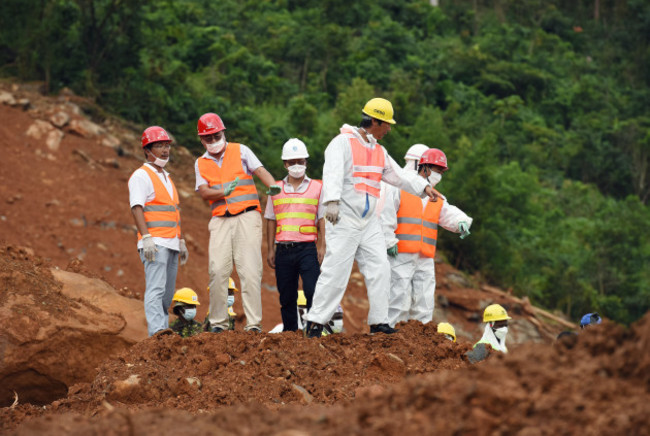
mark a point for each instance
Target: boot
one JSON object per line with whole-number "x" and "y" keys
{"x": 382, "y": 328}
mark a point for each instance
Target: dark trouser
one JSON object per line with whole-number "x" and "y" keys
{"x": 293, "y": 260}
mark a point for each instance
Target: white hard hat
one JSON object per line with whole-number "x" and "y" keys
{"x": 294, "y": 149}
{"x": 415, "y": 152}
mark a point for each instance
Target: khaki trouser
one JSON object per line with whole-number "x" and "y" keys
{"x": 237, "y": 238}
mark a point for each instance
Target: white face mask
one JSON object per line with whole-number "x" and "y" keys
{"x": 434, "y": 178}
{"x": 297, "y": 171}
{"x": 501, "y": 333}
{"x": 189, "y": 313}
{"x": 161, "y": 162}
{"x": 216, "y": 147}
{"x": 231, "y": 300}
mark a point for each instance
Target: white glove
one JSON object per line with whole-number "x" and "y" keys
{"x": 149, "y": 248}
{"x": 184, "y": 253}
{"x": 332, "y": 212}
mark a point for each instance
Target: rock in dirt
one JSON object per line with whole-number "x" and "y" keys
{"x": 39, "y": 129}
{"x": 56, "y": 330}
{"x": 53, "y": 140}
{"x": 7, "y": 98}
{"x": 85, "y": 128}
{"x": 60, "y": 119}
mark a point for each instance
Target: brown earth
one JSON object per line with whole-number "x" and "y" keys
{"x": 75, "y": 311}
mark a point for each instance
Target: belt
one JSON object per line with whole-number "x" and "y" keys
{"x": 285, "y": 245}
{"x": 248, "y": 209}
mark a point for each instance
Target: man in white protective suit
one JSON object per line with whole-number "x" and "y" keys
{"x": 410, "y": 227}
{"x": 355, "y": 165}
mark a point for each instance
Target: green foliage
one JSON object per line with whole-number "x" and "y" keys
{"x": 540, "y": 107}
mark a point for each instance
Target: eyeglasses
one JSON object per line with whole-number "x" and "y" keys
{"x": 213, "y": 137}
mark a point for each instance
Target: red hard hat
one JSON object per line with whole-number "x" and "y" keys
{"x": 210, "y": 123}
{"x": 434, "y": 156}
{"x": 154, "y": 134}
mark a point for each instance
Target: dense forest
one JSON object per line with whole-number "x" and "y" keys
{"x": 540, "y": 105}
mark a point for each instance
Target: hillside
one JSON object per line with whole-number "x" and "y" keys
{"x": 68, "y": 257}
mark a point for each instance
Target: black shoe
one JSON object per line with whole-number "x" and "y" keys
{"x": 254, "y": 330}
{"x": 313, "y": 330}
{"x": 216, "y": 330}
{"x": 382, "y": 328}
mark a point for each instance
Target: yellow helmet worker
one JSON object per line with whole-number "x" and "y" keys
{"x": 379, "y": 108}
{"x": 448, "y": 330}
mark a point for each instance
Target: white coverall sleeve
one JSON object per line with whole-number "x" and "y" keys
{"x": 401, "y": 178}
{"x": 337, "y": 156}
{"x": 388, "y": 216}
{"x": 450, "y": 216}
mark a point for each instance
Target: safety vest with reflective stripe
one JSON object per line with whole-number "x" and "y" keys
{"x": 296, "y": 213}
{"x": 162, "y": 214}
{"x": 367, "y": 165}
{"x": 417, "y": 229}
{"x": 243, "y": 196}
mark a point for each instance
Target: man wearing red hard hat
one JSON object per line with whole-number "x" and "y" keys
{"x": 224, "y": 177}
{"x": 411, "y": 226}
{"x": 155, "y": 208}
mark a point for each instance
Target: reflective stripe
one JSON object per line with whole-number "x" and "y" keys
{"x": 159, "y": 208}
{"x": 231, "y": 200}
{"x": 403, "y": 237}
{"x": 305, "y": 215}
{"x": 367, "y": 169}
{"x": 239, "y": 183}
{"x": 313, "y": 201}
{"x": 240, "y": 198}
{"x": 430, "y": 225}
{"x": 429, "y": 241}
{"x": 301, "y": 229}
{"x": 373, "y": 183}
{"x": 407, "y": 220}
{"x": 171, "y": 224}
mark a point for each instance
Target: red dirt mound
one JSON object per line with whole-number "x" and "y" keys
{"x": 596, "y": 383}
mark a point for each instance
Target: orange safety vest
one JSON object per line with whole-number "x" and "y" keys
{"x": 367, "y": 165}
{"x": 417, "y": 230}
{"x": 296, "y": 214}
{"x": 162, "y": 214}
{"x": 243, "y": 196}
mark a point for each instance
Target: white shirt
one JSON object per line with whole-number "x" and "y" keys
{"x": 338, "y": 183}
{"x": 450, "y": 216}
{"x": 249, "y": 162}
{"x": 269, "y": 213}
{"x": 141, "y": 191}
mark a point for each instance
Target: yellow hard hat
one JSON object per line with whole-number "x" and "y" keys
{"x": 187, "y": 296}
{"x": 495, "y": 312}
{"x": 231, "y": 285}
{"x": 302, "y": 300}
{"x": 379, "y": 108}
{"x": 448, "y": 329}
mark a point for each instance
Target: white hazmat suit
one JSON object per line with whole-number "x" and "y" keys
{"x": 490, "y": 339}
{"x": 358, "y": 234}
{"x": 413, "y": 276}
